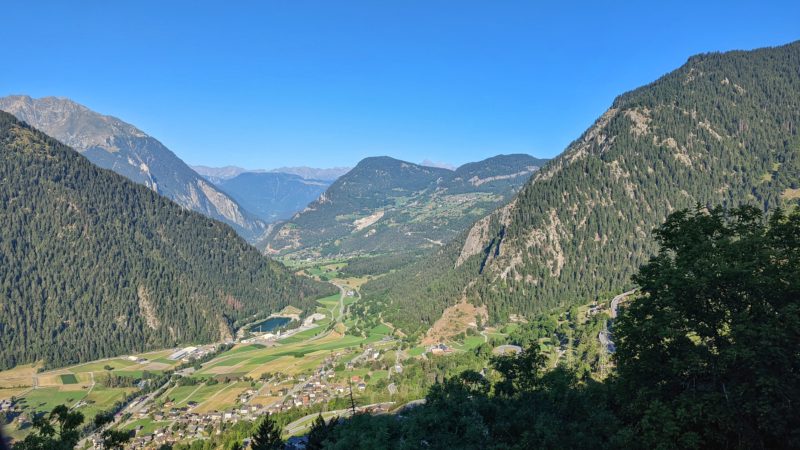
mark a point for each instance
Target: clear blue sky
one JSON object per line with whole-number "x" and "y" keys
{"x": 270, "y": 83}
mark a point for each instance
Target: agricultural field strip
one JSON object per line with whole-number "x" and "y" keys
{"x": 200, "y": 405}
{"x": 265, "y": 355}
{"x": 188, "y": 397}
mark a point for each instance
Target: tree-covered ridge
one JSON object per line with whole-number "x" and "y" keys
{"x": 722, "y": 129}
{"x": 93, "y": 265}
{"x": 384, "y": 205}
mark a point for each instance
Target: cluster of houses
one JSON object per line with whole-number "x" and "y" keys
{"x": 369, "y": 354}
{"x": 182, "y": 424}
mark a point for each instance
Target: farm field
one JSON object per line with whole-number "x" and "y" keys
{"x": 224, "y": 398}
{"x": 20, "y": 376}
{"x": 291, "y": 358}
{"x": 88, "y": 401}
{"x": 101, "y": 399}
{"x": 68, "y": 378}
{"x": 7, "y": 393}
{"x": 197, "y": 394}
{"x": 416, "y": 351}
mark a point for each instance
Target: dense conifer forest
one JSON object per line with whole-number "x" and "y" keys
{"x": 93, "y": 265}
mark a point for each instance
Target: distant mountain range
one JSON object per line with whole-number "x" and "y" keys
{"x": 441, "y": 165}
{"x": 387, "y": 205}
{"x": 722, "y": 129}
{"x": 113, "y": 144}
{"x": 272, "y": 196}
{"x": 94, "y": 265}
{"x": 217, "y": 174}
{"x": 310, "y": 173}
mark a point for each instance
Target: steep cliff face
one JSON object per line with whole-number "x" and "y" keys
{"x": 113, "y": 144}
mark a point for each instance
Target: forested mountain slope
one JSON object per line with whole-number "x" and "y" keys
{"x": 385, "y": 205}
{"x": 721, "y": 129}
{"x": 113, "y": 144}
{"x": 93, "y": 265}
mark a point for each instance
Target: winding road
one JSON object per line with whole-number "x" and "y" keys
{"x": 605, "y": 336}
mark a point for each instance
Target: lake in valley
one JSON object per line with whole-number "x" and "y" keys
{"x": 270, "y": 324}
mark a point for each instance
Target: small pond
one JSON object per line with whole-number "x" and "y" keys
{"x": 270, "y": 324}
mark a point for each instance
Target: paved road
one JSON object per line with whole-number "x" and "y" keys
{"x": 615, "y": 302}
{"x": 605, "y": 336}
{"x": 304, "y": 422}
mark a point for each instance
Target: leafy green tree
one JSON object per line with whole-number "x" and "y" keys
{"x": 103, "y": 418}
{"x": 519, "y": 373}
{"x": 55, "y": 431}
{"x": 116, "y": 440}
{"x": 708, "y": 355}
{"x": 267, "y": 435}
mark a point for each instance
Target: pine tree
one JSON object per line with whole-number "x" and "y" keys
{"x": 267, "y": 436}
{"x": 320, "y": 433}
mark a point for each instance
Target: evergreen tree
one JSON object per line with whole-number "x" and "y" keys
{"x": 320, "y": 433}
{"x": 707, "y": 357}
{"x": 267, "y": 436}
